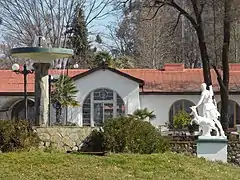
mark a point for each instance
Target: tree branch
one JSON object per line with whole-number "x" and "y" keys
{"x": 180, "y": 10}
{"x": 202, "y": 7}
{"x": 154, "y": 15}
{"x": 219, "y": 78}
{"x": 175, "y": 26}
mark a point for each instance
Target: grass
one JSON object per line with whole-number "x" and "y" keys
{"x": 43, "y": 165}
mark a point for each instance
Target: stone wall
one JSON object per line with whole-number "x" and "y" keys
{"x": 72, "y": 138}
{"x": 189, "y": 147}
{"x": 63, "y": 138}
{"x": 234, "y": 152}
{"x": 186, "y": 147}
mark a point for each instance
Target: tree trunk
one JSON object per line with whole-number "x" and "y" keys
{"x": 225, "y": 66}
{"x": 202, "y": 44}
{"x": 204, "y": 56}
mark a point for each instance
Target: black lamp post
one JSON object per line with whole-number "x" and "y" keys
{"x": 25, "y": 72}
{"x": 51, "y": 79}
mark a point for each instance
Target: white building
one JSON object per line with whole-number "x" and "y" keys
{"x": 105, "y": 92}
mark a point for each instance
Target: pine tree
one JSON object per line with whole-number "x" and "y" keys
{"x": 78, "y": 36}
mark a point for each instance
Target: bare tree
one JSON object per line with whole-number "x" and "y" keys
{"x": 196, "y": 18}
{"x": 6, "y": 60}
{"x": 224, "y": 79}
{"x": 23, "y": 19}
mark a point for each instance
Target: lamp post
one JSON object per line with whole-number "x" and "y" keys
{"x": 49, "y": 104}
{"x": 25, "y": 72}
{"x": 51, "y": 79}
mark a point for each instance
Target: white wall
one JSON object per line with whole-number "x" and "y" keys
{"x": 127, "y": 89}
{"x": 161, "y": 104}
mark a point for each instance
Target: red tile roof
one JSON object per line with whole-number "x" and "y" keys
{"x": 169, "y": 79}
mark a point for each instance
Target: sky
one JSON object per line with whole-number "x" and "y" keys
{"x": 100, "y": 27}
{"x": 0, "y": 35}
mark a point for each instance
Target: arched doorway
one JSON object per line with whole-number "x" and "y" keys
{"x": 233, "y": 113}
{"x": 18, "y": 110}
{"x": 180, "y": 105}
{"x": 102, "y": 104}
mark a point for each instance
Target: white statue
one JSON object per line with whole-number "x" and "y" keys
{"x": 206, "y": 124}
{"x": 209, "y": 106}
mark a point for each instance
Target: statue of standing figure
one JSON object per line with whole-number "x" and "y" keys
{"x": 209, "y": 107}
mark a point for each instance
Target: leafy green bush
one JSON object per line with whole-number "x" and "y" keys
{"x": 97, "y": 141}
{"x": 181, "y": 120}
{"x": 127, "y": 134}
{"x": 94, "y": 142}
{"x": 16, "y": 135}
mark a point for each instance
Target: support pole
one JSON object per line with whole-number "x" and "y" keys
{"x": 66, "y": 115}
{"x": 25, "y": 73}
{"x": 49, "y": 104}
{"x": 41, "y": 93}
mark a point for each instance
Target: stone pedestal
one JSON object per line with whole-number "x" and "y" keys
{"x": 213, "y": 148}
{"x": 41, "y": 93}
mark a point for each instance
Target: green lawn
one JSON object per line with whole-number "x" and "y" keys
{"x": 40, "y": 165}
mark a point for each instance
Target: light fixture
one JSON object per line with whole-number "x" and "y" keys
{"x": 59, "y": 66}
{"x": 15, "y": 67}
{"x": 76, "y": 66}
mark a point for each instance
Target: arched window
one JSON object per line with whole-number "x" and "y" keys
{"x": 179, "y": 105}
{"x": 18, "y": 111}
{"x": 233, "y": 113}
{"x": 100, "y": 105}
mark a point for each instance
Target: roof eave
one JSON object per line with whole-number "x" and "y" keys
{"x": 81, "y": 75}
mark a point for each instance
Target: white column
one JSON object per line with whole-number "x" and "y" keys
{"x": 80, "y": 116}
{"x": 92, "y": 109}
{"x": 114, "y": 104}
{"x": 41, "y": 93}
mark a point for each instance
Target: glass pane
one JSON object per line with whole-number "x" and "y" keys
{"x": 103, "y": 106}
{"x": 31, "y": 113}
{"x": 171, "y": 117}
{"x": 120, "y": 110}
{"x": 96, "y": 94}
{"x": 108, "y": 111}
{"x": 87, "y": 111}
{"x": 103, "y": 94}
{"x": 20, "y": 111}
{"x": 233, "y": 113}
{"x": 178, "y": 106}
{"x": 120, "y": 106}
{"x": 98, "y": 114}
{"x": 187, "y": 105}
{"x": 21, "y": 114}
